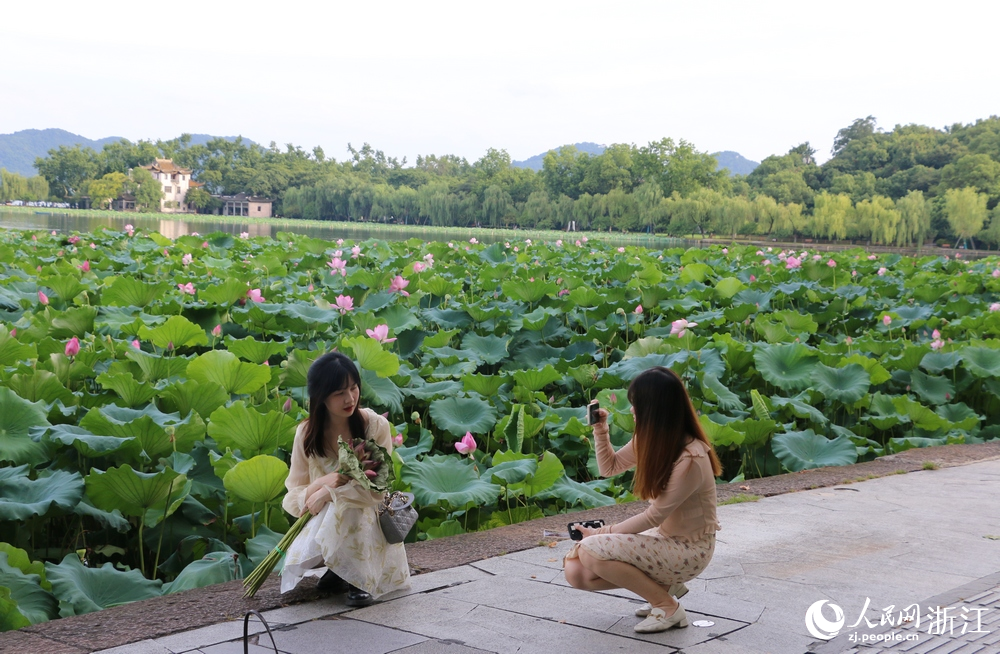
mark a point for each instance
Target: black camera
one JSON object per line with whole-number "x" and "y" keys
{"x": 576, "y": 534}
{"x": 593, "y": 417}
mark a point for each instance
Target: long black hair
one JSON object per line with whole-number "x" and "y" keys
{"x": 328, "y": 374}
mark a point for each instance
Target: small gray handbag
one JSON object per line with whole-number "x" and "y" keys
{"x": 396, "y": 516}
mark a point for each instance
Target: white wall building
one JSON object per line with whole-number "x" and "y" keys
{"x": 175, "y": 181}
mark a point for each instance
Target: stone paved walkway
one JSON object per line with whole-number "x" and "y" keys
{"x": 897, "y": 541}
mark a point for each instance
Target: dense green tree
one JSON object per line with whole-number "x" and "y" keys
{"x": 198, "y": 198}
{"x": 102, "y": 191}
{"x": 66, "y": 169}
{"x": 562, "y": 171}
{"x": 148, "y": 192}
{"x": 496, "y": 206}
{"x": 832, "y": 216}
{"x": 965, "y": 210}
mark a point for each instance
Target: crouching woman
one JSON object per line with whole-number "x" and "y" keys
{"x": 654, "y": 553}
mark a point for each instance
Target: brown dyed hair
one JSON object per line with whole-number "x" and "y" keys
{"x": 328, "y": 374}
{"x": 664, "y": 420}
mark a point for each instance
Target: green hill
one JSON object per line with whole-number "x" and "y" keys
{"x": 734, "y": 161}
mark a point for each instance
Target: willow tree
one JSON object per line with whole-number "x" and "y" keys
{"x": 832, "y": 215}
{"x": 496, "y": 205}
{"x": 965, "y": 210}
{"x": 914, "y": 219}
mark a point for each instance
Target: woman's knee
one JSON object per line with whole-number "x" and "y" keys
{"x": 575, "y": 574}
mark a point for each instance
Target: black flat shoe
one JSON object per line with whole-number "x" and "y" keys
{"x": 358, "y": 597}
{"x": 332, "y": 583}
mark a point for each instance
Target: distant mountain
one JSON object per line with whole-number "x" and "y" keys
{"x": 19, "y": 150}
{"x": 734, "y": 161}
{"x": 535, "y": 162}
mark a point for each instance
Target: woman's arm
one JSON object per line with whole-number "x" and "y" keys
{"x": 297, "y": 481}
{"x": 685, "y": 479}
{"x": 609, "y": 462}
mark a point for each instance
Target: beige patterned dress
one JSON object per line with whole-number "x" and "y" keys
{"x": 345, "y": 535}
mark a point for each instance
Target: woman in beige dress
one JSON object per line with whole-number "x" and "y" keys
{"x": 343, "y": 539}
{"x": 654, "y": 553}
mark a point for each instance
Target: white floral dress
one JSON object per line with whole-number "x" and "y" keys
{"x": 344, "y": 536}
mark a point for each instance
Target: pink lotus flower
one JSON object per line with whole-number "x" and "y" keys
{"x": 585, "y": 239}
{"x": 849, "y": 340}
{"x": 467, "y": 445}
{"x": 937, "y": 344}
{"x": 204, "y": 244}
{"x": 473, "y": 240}
{"x": 872, "y": 257}
{"x": 345, "y": 303}
{"x": 854, "y": 273}
{"x": 74, "y": 239}
{"x": 72, "y": 347}
{"x": 753, "y": 278}
{"x": 398, "y": 284}
{"x": 559, "y": 243}
{"x": 621, "y": 250}
{"x": 379, "y": 333}
{"x": 680, "y": 327}
{"x": 53, "y": 232}
{"x": 187, "y": 259}
{"x": 760, "y": 253}
{"x": 130, "y": 230}
{"x": 882, "y": 271}
{"x": 993, "y": 307}
{"x": 725, "y": 250}
{"x": 527, "y": 241}
{"x": 166, "y": 252}
{"x": 563, "y": 292}
{"x": 93, "y": 246}
{"x": 244, "y": 235}
{"x": 217, "y": 331}
{"x": 187, "y": 288}
{"x": 578, "y": 243}
{"x": 136, "y": 344}
{"x": 397, "y": 440}
{"x": 419, "y": 267}
{"x": 831, "y": 263}
{"x": 516, "y": 249}
{"x": 13, "y": 332}
{"x": 85, "y": 266}
{"x": 338, "y": 266}
{"x": 310, "y": 288}
{"x": 638, "y": 310}
{"x": 355, "y": 251}
{"x": 816, "y": 257}
{"x": 886, "y": 320}
{"x": 340, "y": 242}
{"x": 43, "y": 298}
{"x": 254, "y": 294}
{"x": 996, "y": 273}
{"x": 791, "y": 263}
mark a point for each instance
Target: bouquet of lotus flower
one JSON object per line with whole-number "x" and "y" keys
{"x": 365, "y": 462}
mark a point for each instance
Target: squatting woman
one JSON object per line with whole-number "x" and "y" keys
{"x": 654, "y": 553}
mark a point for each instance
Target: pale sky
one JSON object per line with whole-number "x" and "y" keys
{"x": 459, "y": 77}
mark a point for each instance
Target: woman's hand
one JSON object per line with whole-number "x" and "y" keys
{"x": 587, "y": 531}
{"x": 316, "y": 501}
{"x": 332, "y": 480}
{"x": 602, "y": 420}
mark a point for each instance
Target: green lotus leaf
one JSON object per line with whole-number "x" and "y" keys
{"x": 126, "y": 291}
{"x": 715, "y": 391}
{"x": 801, "y": 450}
{"x": 846, "y": 385}
{"x": 250, "y": 431}
{"x": 188, "y": 396}
{"x": 797, "y": 322}
{"x": 789, "y": 367}
{"x": 934, "y": 389}
{"x": 937, "y": 362}
{"x": 155, "y": 367}
{"x": 86, "y": 443}
{"x": 33, "y": 602}
{"x": 424, "y": 391}
{"x": 78, "y": 321}
{"x": 646, "y": 346}
{"x": 573, "y": 492}
{"x": 10, "y": 617}
{"x": 213, "y": 568}
{"x": 12, "y": 350}
{"x": 771, "y": 330}
{"x": 760, "y": 408}
{"x": 622, "y": 271}
{"x": 253, "y": 350}
{"x": 510, "y": 471}
{"x": 382, "y": 392}
{"x": 530, "y": 292}
{"x": 107, "y": 519}
{"x": 83, "y": 590}
{"x": 258, "y": 480}
{"x": 295, "y": 373}
{"x": 22, "y": 497}
{"x": 155, "y": 433}
{"x": 727, "y": 287}
{"x": 18, "y": 558}
{"x": 960, "y": 415}
{"x": 409, "y": 453}
{"x": 982, "y": 362}
{"x": 124, "y": 384}
{"x": 720, "y": 435}
{"x": 755, "y": 432}
{"x": 513, "y": 428}
{"x": 800, "y": 406}
{"x": 439, "y": 286}
{"x": 490, "y": 349}
{"x": 629, "y": 369}
{"x": 536, "y": 380}
{"x": 448, "y": 319}
{"x": 224, "y": 368}
{"x": 549, "y": 469}
{"x": 66, "y": 287}
{"x": 896, "y": 445}
{"x": 399, "y": 318}
{"x": 135, "y": 493}
{"x": 41, "y": 386}
{"x": 458, "y": 415}
{"x": 447, "y": 528}
{"x": 448, "y": 479}
{"x": 17, "y": 417}
{"x": 695, "y": 272}
{"x": 439, "y": 339}
{"x": 537, "y": 319}
{"x": 224, "y": 294}
{"x": 177, "y": 332}
{"x": 876, "y": 373}
{"x": 371, "y": 356}
{"x": 262, "y": 544}
{"x": 921, "y": 416}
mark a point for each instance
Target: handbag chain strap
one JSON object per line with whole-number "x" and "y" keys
{"x": 386, "y": 504}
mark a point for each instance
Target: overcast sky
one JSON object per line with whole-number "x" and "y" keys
{"x": 459, "y": 77}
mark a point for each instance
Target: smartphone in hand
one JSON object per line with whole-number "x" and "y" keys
{"x": 593, "y": 417}
{"x": 576, "y": 534}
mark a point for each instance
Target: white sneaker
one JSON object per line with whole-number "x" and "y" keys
{"x": 659, "y": 621}
{"x": 676, "y": 590}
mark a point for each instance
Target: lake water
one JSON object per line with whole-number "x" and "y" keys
{"x": 48, "y": 220}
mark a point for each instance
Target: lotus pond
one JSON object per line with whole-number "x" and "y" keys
{"x": 150, "y": 388}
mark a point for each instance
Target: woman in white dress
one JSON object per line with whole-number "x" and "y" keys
{"x": 344, "y": 538}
